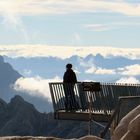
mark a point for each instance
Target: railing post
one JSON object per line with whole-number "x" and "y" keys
{"x": 52, "y": 95}
{"x": 90, "y": 117}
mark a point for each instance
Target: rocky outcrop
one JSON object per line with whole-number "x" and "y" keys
{"x": 129, "y": 126}
{"x": 20, "y": 118}
{"x": 133, "y": 130}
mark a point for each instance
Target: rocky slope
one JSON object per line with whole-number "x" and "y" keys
{"x": 129, "y": 126}
{"x": 20, "y": 118}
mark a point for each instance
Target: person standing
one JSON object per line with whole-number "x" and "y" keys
{"x": 69, "y": 80}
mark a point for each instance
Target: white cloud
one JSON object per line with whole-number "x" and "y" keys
{"x": 105, "y": 71}
{"x": 109, "y": 26}
{"x": 67, "y": 51}
{"x": 98, "y": 70}
{"x": 11, "y": 10}
{"x": 97, "y": 27}
{"x": 36, "y": 7}
{"x": 91, "y": 70}
{"x": 132, "y": 70}
{"x": 77, "y": 71}
{"x": 131, "y": 80}
{"x": 35, "y": 86}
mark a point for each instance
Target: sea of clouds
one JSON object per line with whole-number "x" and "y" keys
{"x": 39, "y": 86}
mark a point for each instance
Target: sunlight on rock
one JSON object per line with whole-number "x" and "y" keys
{"x": 129, "y": 126}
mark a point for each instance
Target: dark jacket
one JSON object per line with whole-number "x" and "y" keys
{"x": 69, "y": 76}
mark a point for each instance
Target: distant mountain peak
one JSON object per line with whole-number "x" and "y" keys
{"x": 99, "y": 56}
{"x": 17, "y": 98}
{"x": 18, "y": 103}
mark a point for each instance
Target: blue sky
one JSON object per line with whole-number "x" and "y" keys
{"x": 75, "y": 23}
{"x": 63, "y": 28}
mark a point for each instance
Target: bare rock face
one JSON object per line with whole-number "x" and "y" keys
{"x": 129, "y": 126}
{"x": 20, "y": 118}
{"x": 129, "y": 136}
{"x": 134, "y": 125}
{"x": 133, "y": 132}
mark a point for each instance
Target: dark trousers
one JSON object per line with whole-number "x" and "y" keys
{"x": 70, "y": 99}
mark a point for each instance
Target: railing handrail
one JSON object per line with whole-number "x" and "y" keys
{"x": 102, "y": 83}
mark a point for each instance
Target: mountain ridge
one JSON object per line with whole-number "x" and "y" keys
{"x": 46, "y": 66}
{"x": 8, "y": 77}
{"x": 20, "y": 118}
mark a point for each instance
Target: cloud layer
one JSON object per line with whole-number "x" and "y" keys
{"x": 13, "y": 10}
{"x": 37, "y": 7}
{"x": 130, "y": 70}
{"x": 100, "y": 71}
{"x": 109, "y": 26}
{"x": 66, "y": 51}
{"x": 130, "y": 80}
{"x": 35, "y": 86}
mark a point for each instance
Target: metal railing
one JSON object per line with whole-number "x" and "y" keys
{"x": 104, "y": 100}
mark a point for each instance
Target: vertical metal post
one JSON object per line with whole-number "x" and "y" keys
{"x": 90, "y": 117}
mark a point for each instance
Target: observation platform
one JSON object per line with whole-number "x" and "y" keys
{"x": 102, "y": 98}
{"x": 100, "y": 102}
